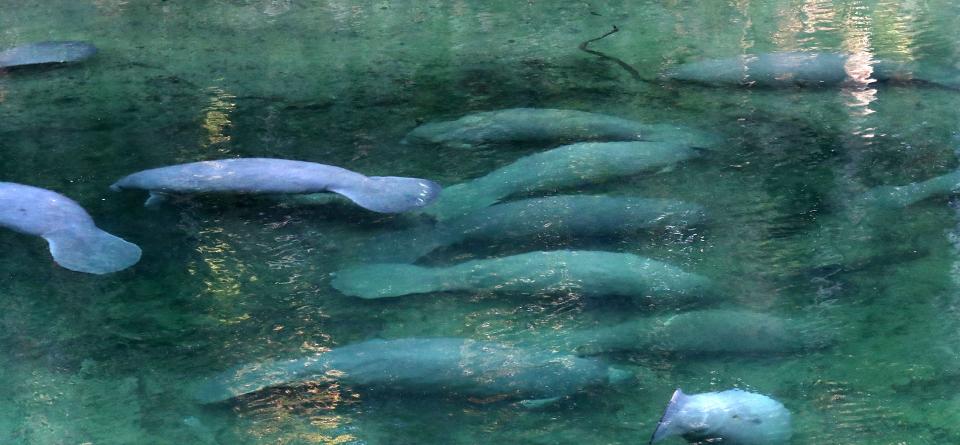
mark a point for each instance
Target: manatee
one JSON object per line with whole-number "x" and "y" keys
{"x": 897, "y": 196}
{"x": 46, "y": 53}
{"x": 806, "y": 69}
{"x": 708, "y": 331}
{"x": 588, "y": 273}
{"x": 385, "y": 194}
{"x": 525, "y": 125}
{"x": 453, "y": 367}
{"x": 536, "y": 218}
{"x": 75, "y": 242}
{"x": 562, "y": 167}
{"x": 731, "y": 417}
{"x": 528, "y": 126}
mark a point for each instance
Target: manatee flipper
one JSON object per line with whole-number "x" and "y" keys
{"x": 91, "y": 250}
{"x": 156, "y": 199}
{"x": 386, "y": 280}
{"x": 389, "y": 194}
{"x": 538, "y": 403}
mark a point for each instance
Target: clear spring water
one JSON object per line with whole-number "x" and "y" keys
{"x": 107, "y": 360}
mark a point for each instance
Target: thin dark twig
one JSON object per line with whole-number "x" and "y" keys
{"x": 583, "y": 47}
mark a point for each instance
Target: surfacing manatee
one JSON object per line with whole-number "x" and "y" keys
{"x": 562, "y": 167}
{"x": 75, "y": 242}
{"x": 588, "y": 273}
{"x": 731, "y": 417}
{"x": 385, "y": 194}
{"x": 806, "y": 69}
{"x": 453, "y": 367}
{"x": 708, "y": 331}
{"x": 46, "y": 53}
{"x": 537, "y": 218}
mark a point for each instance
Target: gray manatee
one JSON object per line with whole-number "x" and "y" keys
{"x": 454, "y": 367}
{"x": 897, "y": 196}
{"x": 76, "y": 243}
{"x": 708, "y": 331}
{"x": 562, "y": 167}
{"x": 385, "y": 194}
{"x": 46, "y": 53}
{"x": 588, "y": 273}
{"x": 731, "y": 417}
{"x": 534, "y": 218}
{"x": 787, "y": 69}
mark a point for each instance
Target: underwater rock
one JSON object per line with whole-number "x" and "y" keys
{"x": 385, "y": 194}
{"x": 76, "y": 243}
{"x": 536, "y": 218}
{"x": 732, "y": 417}
{"x": 525, "y": 125}
{"x": 807, "y": 69}
{"x": 453, "y": 367}
{"x": 710, "y": 331}
{"x": 559, "y": 168}
{"x": 46, "y": 53}
{"x": 897, "y": 196}
{"x": 588, "y": 273}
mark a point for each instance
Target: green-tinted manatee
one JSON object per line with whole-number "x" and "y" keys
{"x": 525, "y": 125}
{"x": 453, "y": 367}
{"x": 562, "y": 167}
{"x": 807, "y": 69}
{"x": 588, "y": 273}
{"x": 707, "y": 331}
{"x": 534, "y": 218}
{"x": 897, "y": 196}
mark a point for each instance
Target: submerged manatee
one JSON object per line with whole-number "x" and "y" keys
{"x": 537, "y": 218}
{"x": 710, "y": 331}
{"x": 525, "y": 125}
{"x": 385, "y": 194}
{"x": 444, "y": 366}
{"x": 787, "y": 69}
{"x": 897, "y": 196}
{"x": 732, "y": 417}
{"x": 75, "y": 242}
{"x": 588, "y": 273}
{"x": 562, "y": 167}
{"x": 46, "y": 53}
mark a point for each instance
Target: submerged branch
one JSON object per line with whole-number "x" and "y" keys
{"x": 584, "y": 47}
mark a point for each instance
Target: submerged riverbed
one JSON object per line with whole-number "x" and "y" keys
{"x": 226, "y": 281}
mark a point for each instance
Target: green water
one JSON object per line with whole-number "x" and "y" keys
{"x": 109, "y": 359}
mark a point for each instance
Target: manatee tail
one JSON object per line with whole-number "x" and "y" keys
{"x": 666, "y": 427}
{"x": 388, "y": 280}
{"x": 462, "y": 199}
{"x": 252, "y": 378}
{"x": 91, "y": 250}
{"x": 390, "y": 194}
{"x": 405, "y": 246}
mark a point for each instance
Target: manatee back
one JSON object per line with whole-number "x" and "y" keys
{"x": 35, "y": 211}
{"x": 456, "y": 366}
{"x": 44, "y": 53}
